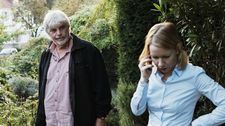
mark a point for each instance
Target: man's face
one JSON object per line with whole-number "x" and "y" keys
{"x": 60, "y": 34}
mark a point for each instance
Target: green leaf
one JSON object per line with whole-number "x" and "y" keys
{"x": 192, "y": 50}
{"x": 157, "y": 6}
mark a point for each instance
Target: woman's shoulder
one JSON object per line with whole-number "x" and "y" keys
{"x": 193, "y": 69}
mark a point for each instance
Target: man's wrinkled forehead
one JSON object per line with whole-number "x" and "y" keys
{"x": 57, "y": 25}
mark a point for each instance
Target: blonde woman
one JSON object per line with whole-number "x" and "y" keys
{"x": 169, "y": 86}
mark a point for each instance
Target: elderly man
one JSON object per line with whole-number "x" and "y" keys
{"x": 73, "y": 83}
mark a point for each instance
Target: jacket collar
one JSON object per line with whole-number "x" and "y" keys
{"x": 77, "y": 43}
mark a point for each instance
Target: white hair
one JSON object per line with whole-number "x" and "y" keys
{"x": 55, "y": 17}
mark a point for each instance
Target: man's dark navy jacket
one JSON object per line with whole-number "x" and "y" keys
{"x": 90, "y": 94}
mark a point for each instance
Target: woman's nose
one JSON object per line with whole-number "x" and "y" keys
{"x": 160, "y": 63}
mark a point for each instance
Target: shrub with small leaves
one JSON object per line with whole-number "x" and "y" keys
{"x": 23, "y": 87}
{"x": 123, "y": 96}
{"x": 16, "y": 111}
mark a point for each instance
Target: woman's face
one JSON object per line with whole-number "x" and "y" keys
{"x": 60, "y": 34}
{"x": 164, "y": 59}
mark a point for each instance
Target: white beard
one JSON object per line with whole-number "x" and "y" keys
{"x": 61, "y": 42}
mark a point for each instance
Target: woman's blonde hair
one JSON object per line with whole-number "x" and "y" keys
{"x": 164, "y": 35}
{"x": 55, "y": 17}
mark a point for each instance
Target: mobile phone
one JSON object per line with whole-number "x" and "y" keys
{"x": 148, "y": 62}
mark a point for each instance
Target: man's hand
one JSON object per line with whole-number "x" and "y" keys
{"x": 100, "y": 122}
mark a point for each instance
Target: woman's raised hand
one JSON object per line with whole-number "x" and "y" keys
{"x": 145, "y": 66}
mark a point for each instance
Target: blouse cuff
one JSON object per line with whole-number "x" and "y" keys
{"x": 143, "y": 81}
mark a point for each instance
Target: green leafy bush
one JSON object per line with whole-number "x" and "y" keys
{"x": 99, "y": 33}
{"x": 26, "y": 61}
{"x": 3, "y": 75}
{"x": 80, "y": 19}
{"x": 14, "y": 111}
{"x": 122, "y": 99}
{"x": 6, "y": 94}
{"x": 18, "y": 88}
{"x": 3, "y": 35}
{"x": 95, "y": 25}
{"x": 23, "y": 87}
{"x": 134, "y": 19}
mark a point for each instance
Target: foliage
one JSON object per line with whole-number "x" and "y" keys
{"x": 100, "y": 33}
{"x": 6, "y": 94}
{"x": 203, "y": 106}
{"x": 3, "y": 75}
{"x": 26, "y": 61}
{"x": 123, "y": 96}
{"x": 18, "y": 100}
{"x": 80, "y": 19}
{"x": 23, "y": 87}
{"x": 15, "y": 112}
{"x": 134, "y": 19}
{"x": 113, "y": 117}
{"x": 50, "y": 3}
{"x": 31, "y": 12}
{"x": 3, "y": 35}
{"x": 110, "y": 56}
{"x": 68, "y": 6}
{"x": 95, "y": 25}
{"x": 72, "y": 6}
{"x": 164, "y": 9}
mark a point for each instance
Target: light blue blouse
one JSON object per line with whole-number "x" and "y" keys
{"x": 172, "y": 102}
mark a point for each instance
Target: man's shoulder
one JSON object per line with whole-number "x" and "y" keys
{"x": 81, "y": 43}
